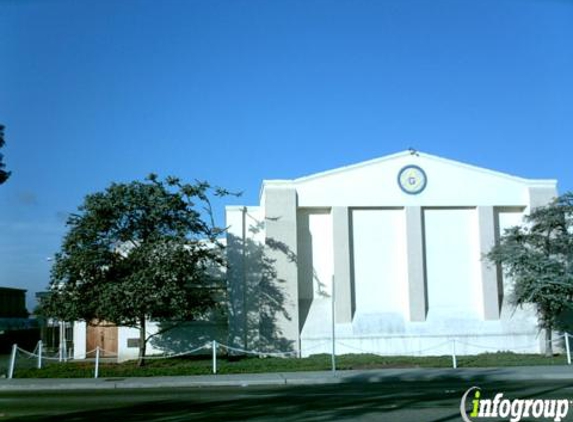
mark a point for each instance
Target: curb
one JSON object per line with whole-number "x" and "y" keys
{"x": 538, "y": 373}
{"x": 234, "y": 380}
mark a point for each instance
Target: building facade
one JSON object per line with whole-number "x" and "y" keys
{"x": 392, "y": 249}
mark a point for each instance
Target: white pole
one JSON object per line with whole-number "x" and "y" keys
{"x": 96, "y": 372}
{"x": 40, "y": 354}
{"x": 454, "y": 359}
{"x": 567, "y": 348}
{"x": 12, "y": 361}
{"x": 333, "y": 330}
{"x": 64, "y": 342}
{"x": 214, "y": 351}
{"x": 61, "y": 354}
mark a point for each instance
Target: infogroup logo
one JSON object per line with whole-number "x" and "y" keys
{"x": 514, "y": 409}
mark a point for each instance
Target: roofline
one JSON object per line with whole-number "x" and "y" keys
{"x": 288, "y": 183}
{"x": 530, "y": 182}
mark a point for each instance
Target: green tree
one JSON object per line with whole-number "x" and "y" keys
{"x": 137, "y": 252}
{"x": 4, "y": 175}
{"x": 538, "y": 257}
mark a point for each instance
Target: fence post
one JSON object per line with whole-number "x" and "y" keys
{"x": 40, "y": 354}
{"x": 214, "y": 352}
{"x": 12, "y": 361}
{"x": 96, "y": 372}
{"x": 567, "y": 348}
{"x": 454, "y": 359}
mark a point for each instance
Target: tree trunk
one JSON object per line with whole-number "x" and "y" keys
{"x": 548, "y": 342}
{"x": 142, "y": 342}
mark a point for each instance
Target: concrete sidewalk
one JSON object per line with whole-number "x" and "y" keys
{"x": 562, "y": 373}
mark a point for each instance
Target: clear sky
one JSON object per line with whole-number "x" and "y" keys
{"x": 238, "y": 91}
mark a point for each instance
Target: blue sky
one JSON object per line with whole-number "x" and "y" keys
{"x": 238, "y": 91}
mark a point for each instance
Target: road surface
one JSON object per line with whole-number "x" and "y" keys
{"x": 404, "y": 401}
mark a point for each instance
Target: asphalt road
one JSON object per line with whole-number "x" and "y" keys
{"x": 428, "y": 401}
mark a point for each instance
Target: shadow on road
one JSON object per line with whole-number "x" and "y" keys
{"x": 360, "y": 398}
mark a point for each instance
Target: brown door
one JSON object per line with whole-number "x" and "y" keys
{"x": 104, "y": 336}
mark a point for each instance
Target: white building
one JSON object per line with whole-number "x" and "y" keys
{"x": 403, "y": 238}
{"x": 122, "y": 343}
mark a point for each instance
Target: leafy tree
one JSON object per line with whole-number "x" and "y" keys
{"x": 4, "y": 175}
{"x": 538, "y": 258}
{"x": 136, "y": 252}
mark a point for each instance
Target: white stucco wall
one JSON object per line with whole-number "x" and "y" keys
{"x": 379, "y": 256}
{"x": 412, "y": 265}
{"x": 452, "y": 260}
{"x": 315, "y": 274}
{"x": 380, "y": 323}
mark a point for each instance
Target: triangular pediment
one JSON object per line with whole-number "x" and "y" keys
{"x": 412, "y": 178}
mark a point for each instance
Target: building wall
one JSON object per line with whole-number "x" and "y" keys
{"x": 380, "y": 267}
{"x": 409, "y": 270}
{"x": 452, "y": 261}
{"x": 455, "y": 295}
{"x": 315, "y": 268}
{"x": 179, "y": 340}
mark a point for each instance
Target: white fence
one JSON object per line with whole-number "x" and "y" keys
{"x": 63, "y": 355}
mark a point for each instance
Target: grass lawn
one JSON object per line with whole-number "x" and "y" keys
{"x": 203, "y": 366}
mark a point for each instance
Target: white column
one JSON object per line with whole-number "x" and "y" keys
{"x": 417, "y": 286}
{"x": 280, "y": 204}
{"x": 345, "y": 299}
{"x": 489, "y": 275}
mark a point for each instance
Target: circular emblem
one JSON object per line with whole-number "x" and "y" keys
{"x": 412, "y": 179}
